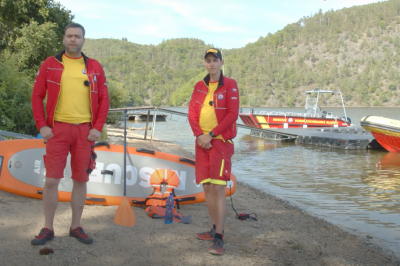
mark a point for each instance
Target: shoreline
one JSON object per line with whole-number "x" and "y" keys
{"x": 283, "y": 235}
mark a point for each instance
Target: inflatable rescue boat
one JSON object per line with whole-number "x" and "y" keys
{"x": 385, "y": 130}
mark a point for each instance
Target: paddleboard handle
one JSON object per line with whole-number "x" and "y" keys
{"x": 40, "y": 192}
{"x": 145, "y": 151}
{"x": 99, "y": 144}
{"x": 96, "y": 199}
{"x": 107, "y": 172}
{"x": 177, "y": 200}
{"x": 187, "y": 161}
{"x": 186, "y": 199}
{"x": 139, "y": 202}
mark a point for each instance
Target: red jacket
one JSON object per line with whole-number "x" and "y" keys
{"x": 48, "y": 81}
{"x": 226, "y": 106}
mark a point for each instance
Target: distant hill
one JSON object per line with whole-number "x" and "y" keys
{"x": 355, "y": 50}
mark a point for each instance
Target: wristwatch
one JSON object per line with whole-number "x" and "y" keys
{"x": 211, "y": 134}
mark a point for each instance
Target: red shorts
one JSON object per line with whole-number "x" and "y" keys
{"x": 214, "y": 163}
{"x": 69, "y": 138}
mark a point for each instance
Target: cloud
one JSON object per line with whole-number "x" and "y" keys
{"x": 198, "y": 16}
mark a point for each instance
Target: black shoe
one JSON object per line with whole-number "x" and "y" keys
{"x": 44, "y": 235}
{"x": 79, "y": 234}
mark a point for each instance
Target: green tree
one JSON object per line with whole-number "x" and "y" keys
{"x": 31, "y": 30}
{"x": 119, "y": 95}
{"x": 15, "y": 104}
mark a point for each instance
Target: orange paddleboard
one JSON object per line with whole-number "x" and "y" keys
{"x": 22, "y": 172}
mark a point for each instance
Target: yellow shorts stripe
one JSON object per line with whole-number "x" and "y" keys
{"x": 213, "y": 181}
{"x": 222, "y": 167}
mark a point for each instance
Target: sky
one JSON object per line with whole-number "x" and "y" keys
{"x": 223, "y": 24}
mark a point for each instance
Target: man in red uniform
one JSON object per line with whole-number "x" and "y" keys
{"x": 76, "y": 110}
{"x": 213, "y": 111}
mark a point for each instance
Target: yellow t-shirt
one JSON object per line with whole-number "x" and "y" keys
{"x": 73, "y": 105}
{"x": 208, "y": 120}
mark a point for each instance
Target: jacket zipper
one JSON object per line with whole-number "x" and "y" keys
{"x": 90, "y": 91}
{"x": 59, "y": 91}
{"x": 90, "y": 97}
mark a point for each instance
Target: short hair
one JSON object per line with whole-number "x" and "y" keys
{"x": 75, "y": 25}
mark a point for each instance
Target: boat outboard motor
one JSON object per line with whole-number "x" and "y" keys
{"x": 347, "y": 119}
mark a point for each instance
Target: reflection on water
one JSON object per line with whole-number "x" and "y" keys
{"x": 355, "y": 189}
{"x": 384, "y": 177}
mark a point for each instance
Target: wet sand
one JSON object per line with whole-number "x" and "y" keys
{"x": 283, "y": 234}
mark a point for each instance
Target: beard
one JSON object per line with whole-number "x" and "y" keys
{"x": 73, "y": 50}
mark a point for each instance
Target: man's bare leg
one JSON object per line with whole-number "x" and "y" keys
{"x": 210, "y": 201}
{"x": 50, "y": 200}
{"x": 219, "y": 207}
{"x": 78, "y": 198}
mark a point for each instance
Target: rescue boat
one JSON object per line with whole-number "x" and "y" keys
{"x": 312, "y": 117}
{"x": 22, "y": 172}
{"x": 385, "y": 130}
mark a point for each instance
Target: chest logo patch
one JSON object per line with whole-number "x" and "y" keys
{"x": 233, "y": 90}
{"x": 95, "y": 79}
{"x": 83, "y": 71}
{"x": 220, "y": 96}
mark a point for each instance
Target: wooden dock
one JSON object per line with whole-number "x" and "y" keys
{"x": 145, "y": 117}
{"x": 347, "y": 138}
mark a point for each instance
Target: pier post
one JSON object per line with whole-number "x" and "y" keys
{"x": 154, "y": 124}
{"x": 147, "y": 124}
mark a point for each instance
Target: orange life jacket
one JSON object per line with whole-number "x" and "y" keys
{"x": 164, "y": 182}
{"x": 162, "y": 179}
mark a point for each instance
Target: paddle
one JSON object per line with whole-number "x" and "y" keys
{"x": 124, "y": 215}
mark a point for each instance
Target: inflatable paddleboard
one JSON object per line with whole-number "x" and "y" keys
{"x": 22, "y": 172}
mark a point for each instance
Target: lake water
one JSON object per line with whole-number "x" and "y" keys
{"x": 357, "y": 190}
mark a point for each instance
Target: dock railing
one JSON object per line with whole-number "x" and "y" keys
{"x": 151, "y": 110}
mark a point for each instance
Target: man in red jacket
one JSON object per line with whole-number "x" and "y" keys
{"x": 76, "y": 110}
{"x": 213, "y": 111}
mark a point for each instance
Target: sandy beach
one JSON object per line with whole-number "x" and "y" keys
{"x": 283, "y": 234}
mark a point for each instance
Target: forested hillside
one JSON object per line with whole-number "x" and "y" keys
{"x": 150, "y": 73}
{"x": 354, "y": 50}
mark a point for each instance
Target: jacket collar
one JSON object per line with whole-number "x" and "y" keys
{"x": 220, "y": 82}
{"x": 59, "y": 57}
